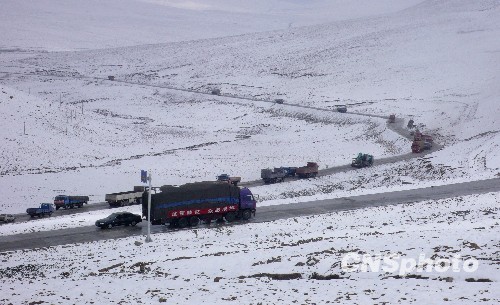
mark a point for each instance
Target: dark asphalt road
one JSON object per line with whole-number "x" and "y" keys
{"x": 264, "y": 214}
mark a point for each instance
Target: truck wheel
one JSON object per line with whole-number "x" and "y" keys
{"x": 194, "y": 221}
{"x": 230, "y": 217}
{"x": 246, "y": 215}
{"x": 50, "y": 214}
{"x": 183, "y": 222}
{"x": 173, "y": 223}
{"x": 110, "y": 226}
{"x": 133, "y": 223}
{"x": 32, "y": 216}
{"x": 57, "y": 208}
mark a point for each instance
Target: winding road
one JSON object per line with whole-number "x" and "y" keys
{"x": 265, "y": 214}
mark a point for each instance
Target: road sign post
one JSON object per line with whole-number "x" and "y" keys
{"x": 147, "y": 178}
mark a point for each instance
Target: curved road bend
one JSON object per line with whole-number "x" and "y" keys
{"x": 264, "y": 214}
{"x": 397, "y": 127}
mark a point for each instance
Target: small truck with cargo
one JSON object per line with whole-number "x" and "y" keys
{"x": 362, "y": 160}
{"x": 188, "y": 204}
{"x": 125, "y": 198}
{"x": 273, "y": 175}
{"x": 69, "y": 202}
{"x": 308, "y": 171}
{"x": 44, "y": 209}
{"x": 228, "y": 179}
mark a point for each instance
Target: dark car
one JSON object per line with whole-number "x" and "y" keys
{"x": 279, "y": 101}
{"x": 118, "y": 219}
{"x": 342, "y": 108}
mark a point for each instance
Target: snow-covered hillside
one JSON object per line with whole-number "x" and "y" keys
{"x": 55, "y": 25}
{"x": 435, "y": 62}
{"x": 67, "y": 127}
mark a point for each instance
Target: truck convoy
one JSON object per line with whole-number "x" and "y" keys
{"x": 188, "y": 204}
{"x": 64, "y": 201}
{"x": 226, "y": 178}
{"x": 362, "y": 160}
{"x": 308, "y": 171}
{"x": 44, "y": 209}
{"x": 125, "y": 198}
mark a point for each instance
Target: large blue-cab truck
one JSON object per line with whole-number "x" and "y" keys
{"x": 69, "y": 202}
{"x": 188, "y": 204}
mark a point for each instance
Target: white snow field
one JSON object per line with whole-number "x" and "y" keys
{"x": 67, "y": 128}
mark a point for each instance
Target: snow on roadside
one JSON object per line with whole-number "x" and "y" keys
{"x": 289, "y": 261}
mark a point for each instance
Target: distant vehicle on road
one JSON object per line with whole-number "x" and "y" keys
{"x": 308, "y": 171}
{"x": 64, "y": 201}
{"x": 362, "y": 160}
{"x": 7, "y": 218}
{"x": 290, "y": 170}
{"x": 279, "y": 101}
{"x": 125, "y": 198}
{"x": 273, "y": 175}
{"x": 392, "y": 118}
{"x": 44, "y": 209}
{"x": 418, "y": 146}
{"x": 228, "y": 179}
{"x": 118, "y": 219}
{"x": 111, "y": 77}
{"x": 342, "y": 108}
{"x": 216, "y": 91}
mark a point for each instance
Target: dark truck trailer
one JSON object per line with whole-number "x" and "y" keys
{"x": 64, "y": 201}
{"x": 273, "y": 175}
{"x": 187, "y": 204}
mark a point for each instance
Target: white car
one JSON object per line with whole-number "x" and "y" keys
{"x": 7, "y": 218}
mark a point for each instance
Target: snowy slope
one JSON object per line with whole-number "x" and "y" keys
{"x": 55, "y": 25}
{"x": 284, "y": 262}
{"x": 435, "y": 62}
